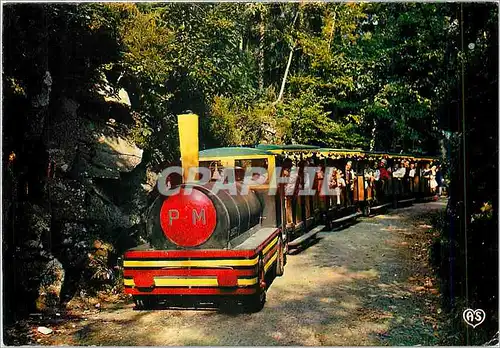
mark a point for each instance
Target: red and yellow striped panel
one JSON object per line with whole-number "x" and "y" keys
{"x": 197, "y": 271}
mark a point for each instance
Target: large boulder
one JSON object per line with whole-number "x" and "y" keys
{"x": 102, "y": 211}
{"x": 112, "y": 94}
{"x": 26, "y": 254}
{"x": 105, "y": 154}
{"x": 115, "y": 153}
{"x": 64, "y": 133}
{"x": 90, "y": 147}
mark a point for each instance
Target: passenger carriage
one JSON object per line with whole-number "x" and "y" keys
{"x": 302, "y": 214}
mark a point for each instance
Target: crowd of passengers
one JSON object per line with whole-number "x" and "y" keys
{"x": 342, "y": 180}
{"x": 376, "y": 179}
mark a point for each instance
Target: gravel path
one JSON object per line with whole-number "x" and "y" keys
{"x": 368, "y": 284}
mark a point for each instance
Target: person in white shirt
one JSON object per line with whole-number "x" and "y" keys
{"x": 336, "y": 183}
{"x": 350, "y": 176}
{"x": 307, "y": 176}
{"x": 289, "y": 188}
{"x": 412, "y": 170}
{"x": 398, "y": 172}
{"x": 433, "y": 182}
{"x": 369, "y": 176}
{"x": 340, "y": 185}
{"x": 411, "y": 175}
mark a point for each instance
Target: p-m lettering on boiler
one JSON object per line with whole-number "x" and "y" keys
{"x": 173, "y": 214}
{"x": 200, "y": 216}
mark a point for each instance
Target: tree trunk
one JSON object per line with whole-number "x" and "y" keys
{"x": 333, "y": 29}
{"x": 262, "y": 33}
{"x": 290, "y": 56}
{"x": 374, "y": 133}
{"x": 282, "y": 89}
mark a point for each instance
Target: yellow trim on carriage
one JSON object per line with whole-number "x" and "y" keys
{"x": 191, "y": 263}
{"x": 270, "y": 245}
{"x": 271, "y": 261}
{"x": 174, "y": 282}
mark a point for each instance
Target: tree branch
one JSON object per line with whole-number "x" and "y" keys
{"x": 290, "y": 56}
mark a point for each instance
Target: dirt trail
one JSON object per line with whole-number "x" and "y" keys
{"x": 368, "y": 284}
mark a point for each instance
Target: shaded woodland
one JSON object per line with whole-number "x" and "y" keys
{"x": 91, "y": 94}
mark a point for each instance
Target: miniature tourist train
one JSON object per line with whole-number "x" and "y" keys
{"x": 225, "y": 246}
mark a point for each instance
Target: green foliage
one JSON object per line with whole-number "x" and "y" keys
{"x": 365, "y": 65}
{"x": 382, "y": 66}
{"x": 234, "y": 124}
{"x": 309, "y": 122}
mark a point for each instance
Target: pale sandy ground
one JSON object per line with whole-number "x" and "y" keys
{"x": 367, "y": 284}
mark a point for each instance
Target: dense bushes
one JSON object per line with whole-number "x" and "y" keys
{"x": 468, "y": 245}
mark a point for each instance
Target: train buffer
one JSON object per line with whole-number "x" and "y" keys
{"x": 296, "y": 242}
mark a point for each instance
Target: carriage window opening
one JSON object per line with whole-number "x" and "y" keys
{"x": 241, "y": 167}
{"x": 216, "y": 169}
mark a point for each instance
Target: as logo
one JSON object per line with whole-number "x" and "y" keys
{"x": 474, "y": 317}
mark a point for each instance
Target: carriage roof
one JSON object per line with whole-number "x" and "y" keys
{"x": 267, "y": 150}
{"x": 234, "y": 152}
{"x": 289, "y": 147}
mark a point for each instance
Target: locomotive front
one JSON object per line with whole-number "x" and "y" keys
{"x": 199, "y": 217}
{"x": 203, "y": 240}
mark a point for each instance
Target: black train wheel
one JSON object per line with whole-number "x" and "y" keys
{"x": 145, "y": 302}
{"x": 255, "y": 302}
{"x": 280, "y": 260}
{"x": 367, "y": 210}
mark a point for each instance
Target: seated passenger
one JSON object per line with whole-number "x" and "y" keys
{"x": 376, "y": 174}
{"x": 426, "y": 172}
{"x": 341, "y": 184}
{"x": 293, "y": 183}
{"x": 426, "y": 177}
{"x": 412, "y": 171}
{"x": 307, "y": 177}
{"x": 333, "y": 185}
{"x": 440, "y": 180}
{"x": 433, "y": 182}
{"x": 398, "y": 173}
{"x": 369, "y": 176}
{"x": 259, "y": 179}
{"x": 411, "y": 177}
{"x": 384, "y": 173}
{"x": 285, "y": 172}
{"x": 217, "y": 174}
{"x": 383, "y": 178}
{"x": 349, "y": 182}
{"x": 239, "y": 174}
{"x": 406, "y": 178}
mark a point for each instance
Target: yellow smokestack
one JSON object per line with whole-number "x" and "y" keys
{"x": 188, "y": 137}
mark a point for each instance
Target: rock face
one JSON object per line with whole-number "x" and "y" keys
{"x": 111, "y": 94}
{"x": 96, "y": 191}
{"x": 114, "y": 154}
